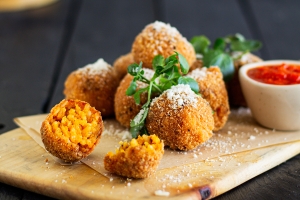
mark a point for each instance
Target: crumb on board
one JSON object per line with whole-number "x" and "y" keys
{"x": 162, "y": 193}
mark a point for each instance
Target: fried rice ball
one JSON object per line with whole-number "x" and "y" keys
{"x": 197, "y": 64}
{"x": 213, "y": 89}
{"x": 72, "y": 130}
{"x": 121, "y": 64}
{"x": 138, "y": 158}
{"x": 96, "y": 84}
{"x": 235, "y": 94}
{"x": 160, "y": 38}
{"x": 181, "y": 118}
{"x": 125, "y": 107}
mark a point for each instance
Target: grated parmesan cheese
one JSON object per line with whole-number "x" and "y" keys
{"x": 252, "y": 137}
{"x": 148, "y": 74}
{"x": 139, "y": 116}
{"x": 95, "y": 68}
{"x": 162, "y": 193}
{"x": 199, "y": 73}
{"x": 159, "y": 26}
{"x": 180, "y": 95}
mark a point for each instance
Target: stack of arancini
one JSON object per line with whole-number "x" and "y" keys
{"x": 160, "y": 38}
{"x": 180, "y": 118}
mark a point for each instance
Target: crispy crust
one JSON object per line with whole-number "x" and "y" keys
{"x": 213, "y": 89}
{"x": 184, "y": 128}
{"x": 160, "y": 39}
{"x": 197, "y": 64}
{"x": 136, "y": 161}
{"x": 236, "y": 97}
{"x": 62, "y": 146}
{"x": 98, "y": 89}
{"x": 120, "y": 65}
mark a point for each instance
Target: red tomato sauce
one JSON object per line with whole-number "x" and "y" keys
{"x": 282, "y": 74}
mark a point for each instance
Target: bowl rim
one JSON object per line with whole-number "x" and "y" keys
{"x": 243, "y": 72}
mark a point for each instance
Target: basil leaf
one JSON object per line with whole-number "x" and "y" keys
{"x": 132, "y": 88}
{"x": 158, "y": 70}
{"x": 134, "y": 69}
{"x": 189, "y": 81}
{"x": 220, "y": 44}
{"x": 235, "y": 37}
{"x": 184, "y": 66}
{"x": 247, "y": 45}
{"x": 174, "y": 75}
{"x": 144, "y": 131}
{"x": 239, "y": 37}
{"x": 225, "y": 63}
{"x": 137, "y": 95}
{"x": 158, "y": 61}
{"x": 200, "y": 43}
{"x": 135, "y": 130}
{"x": 169, "y": 66}
{"x": 172, "y": 58}
{"x": 167, "y": 85}
{"x": 140, "y": 117}
{"x": 210, "y": 55}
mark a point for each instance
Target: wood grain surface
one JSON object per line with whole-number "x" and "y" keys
{"x": 39, "y": 47}
{"x": 26, "y": 165}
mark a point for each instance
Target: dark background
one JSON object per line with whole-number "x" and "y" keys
{"x": 40, "y": 47}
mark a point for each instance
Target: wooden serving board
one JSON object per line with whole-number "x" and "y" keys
{"x": 24, "y": 164}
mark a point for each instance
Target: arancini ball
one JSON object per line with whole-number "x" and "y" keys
{"x": 160, "y": 38}
{"x": 72, "y": 130}
{"x": 96, "y": 84}
{"x": 138, "y": 158}
{"x": 121, "y": 64}
{"x": 213, "y": 89}
{"x": 125, "y": 107}
{"x": 181, "y": 118}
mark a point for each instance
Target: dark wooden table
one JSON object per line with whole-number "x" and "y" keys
{"x": 40, "y": 47}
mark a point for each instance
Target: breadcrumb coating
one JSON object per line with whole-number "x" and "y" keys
{"x": 121, "y": 64}
{"x": 72, "y": 130}
{"x": 179, "y": 117}
{"x": 197, "y": 64}
{"x": 213, "y": 89}
{"x": 125, "y": 107}
{"x": 160, "y": 38}
{"x": 138, "y": 158}
{"x": 96, "y": 84}
{"x": 236, "y": 97}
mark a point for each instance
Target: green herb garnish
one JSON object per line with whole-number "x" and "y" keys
{"x": 221, "y": 52}
{"x": 166, "y": 74}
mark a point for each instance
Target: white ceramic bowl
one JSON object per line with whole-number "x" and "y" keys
{"x": 273, "y": 106}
